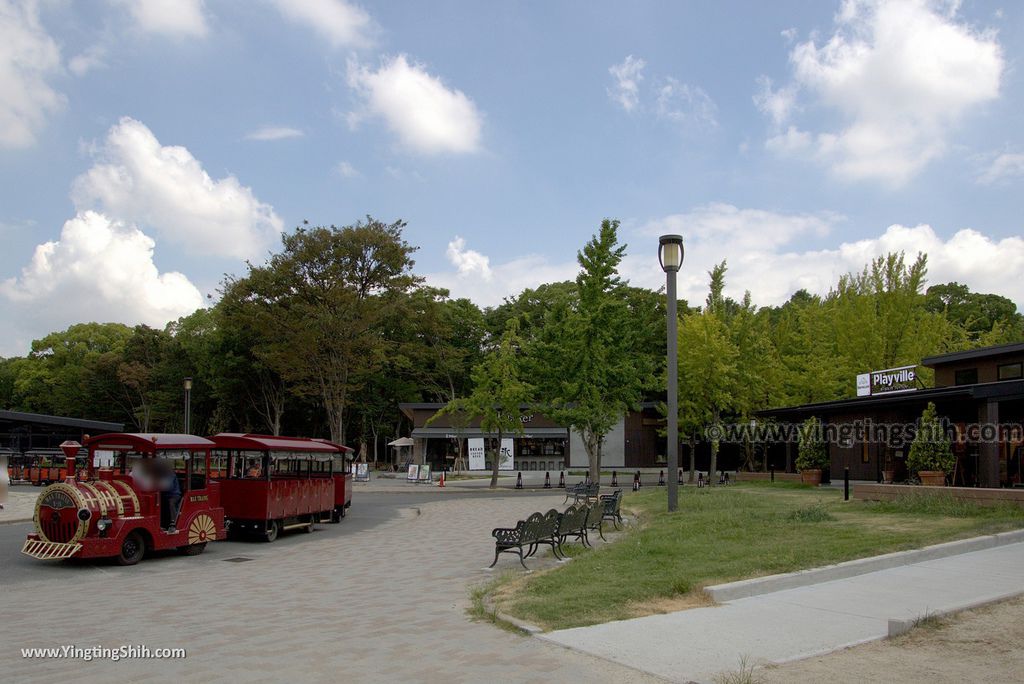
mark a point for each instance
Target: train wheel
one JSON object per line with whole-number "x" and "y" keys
{"x": 273, "y": 527}
{"x": 192, "y": 549}
{"x": 132, "y": 549}
{"x": 309, "y": 528}
{"x": 335, "y": 516}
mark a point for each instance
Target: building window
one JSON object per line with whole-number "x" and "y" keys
{"x": 1010, "y": 371}
{"x": 967, "y": 376}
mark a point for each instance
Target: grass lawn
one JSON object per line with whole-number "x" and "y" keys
{"x": 723, "y": 534}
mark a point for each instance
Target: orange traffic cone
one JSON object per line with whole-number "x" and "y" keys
{"x": 440, "y": 483}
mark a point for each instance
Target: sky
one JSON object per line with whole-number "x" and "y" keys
{"x": 149, "y": 147}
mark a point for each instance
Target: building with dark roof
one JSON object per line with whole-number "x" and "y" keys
{"x": 980, "y": 393}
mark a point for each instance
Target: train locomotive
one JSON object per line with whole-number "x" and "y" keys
{"x": 109, "y": 512}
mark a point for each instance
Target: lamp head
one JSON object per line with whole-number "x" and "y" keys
{"x": 670, "y": 252}
{"x": 187, "y": 384}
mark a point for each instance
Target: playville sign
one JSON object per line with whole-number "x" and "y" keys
{"x": 902, "y": 379}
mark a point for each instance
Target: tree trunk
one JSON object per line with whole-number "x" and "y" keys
{"x": 713, "y": 467}
{"x": 595, "y": 459}
{"x": 693, "y": 457}
{"x": 496, "y": 463}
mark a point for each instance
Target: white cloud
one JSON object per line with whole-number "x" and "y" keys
{"x": 778, "y": 104}
{"x": 427, "y": 116}
{"x": 92, "y": 58}
{"x": 686, "y": 105}
{"x": 173, "y": 18}
{"x": 768, "y": 253}
{"x": 137, "y": 180}
{"x": 98, "y": 270}
{"x": 346, "y": 170}
{"x": 764, "y": 253}
{"x": 28, "y": 56}
{"x": 275, "y": 133}
{"x": 901, "y": 75}
{"x": 341, "y": 23}
{"x": 626, "y": 89}
{"x": 1004, "y": 167}
{"x": 469, "y": 263}
{"x": 475, "y": 278}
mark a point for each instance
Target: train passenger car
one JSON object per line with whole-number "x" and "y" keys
{"x": 342, "y": 480}
{"x": 42, "y": 467}
{"x": 154, "y": 494}
{"x": 276, "y": 483}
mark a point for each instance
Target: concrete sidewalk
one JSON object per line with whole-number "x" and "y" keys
{"x": 798, "y": 623}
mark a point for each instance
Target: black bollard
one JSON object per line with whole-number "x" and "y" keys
{"x": 680, "y": 480}
{"x": 561, "y": 479}
{"x": 615, "y": 478}
{"x": 519, "y": 481}
{"x": 773, "y": 473}
{"x": 661, "y": 478}
{"x": 547, "y": 480}
{"x": 846, "y": 484}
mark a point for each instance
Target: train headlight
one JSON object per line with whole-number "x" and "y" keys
{"x": 103, "y": 524}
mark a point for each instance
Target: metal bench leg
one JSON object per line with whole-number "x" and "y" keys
{"x": 521, "y": 560}
{"x": 496, "y": 552}
{"x": 600, "y": 530}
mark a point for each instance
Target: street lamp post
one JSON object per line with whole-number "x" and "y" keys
{"x": 670, "y": 256}
{"x": 187, "y": 384}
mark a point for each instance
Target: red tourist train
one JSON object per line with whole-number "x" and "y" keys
{"x": 146, "y": 492}
{"x": 279, "y": 483}
{"x": 39, "y": 467}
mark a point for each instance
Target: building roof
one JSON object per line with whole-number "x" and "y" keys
{"x": 61, "y": 421}
{"x": 970, "y": 354}
{"x": 979, "y": 391}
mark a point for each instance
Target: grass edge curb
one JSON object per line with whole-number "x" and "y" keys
{"x": 722, "y": 593}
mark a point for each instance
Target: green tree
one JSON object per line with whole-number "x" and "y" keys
{"x": 812, "y": 451}
{"x": 323, "y": 303}
{"x": 931, "y": 448}
{"x": 588, "y": 354}
{"x": 498, "y": 395}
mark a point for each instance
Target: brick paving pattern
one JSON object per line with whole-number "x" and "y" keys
{"x": 388, "y": 604}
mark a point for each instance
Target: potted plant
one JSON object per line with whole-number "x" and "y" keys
{"x": 931, "y": 455}
{"x": 812, "y": 452}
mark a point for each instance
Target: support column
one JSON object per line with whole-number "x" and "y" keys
{"x": 988, "y": 452}
{"x": 789, "y": 456}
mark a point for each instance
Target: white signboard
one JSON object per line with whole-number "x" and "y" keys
{"x": 362, "y": 472}
{"x": 476, "y": 454}
{"x": 506, "y": 461}
{"x": 102, "y": 459}
{"x": 414, "y": 472}
{"x": 864, "y": 385}
{"x": 888, "y": 381}
{"x": 424, "y": 473}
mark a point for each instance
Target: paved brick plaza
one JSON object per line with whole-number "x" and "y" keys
{"x": 386, "y": 604}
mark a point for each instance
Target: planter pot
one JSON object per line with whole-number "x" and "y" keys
{"x": 888, "y": 476}
{"x": 811, "y": 477}
{"x": 932, "y": 478}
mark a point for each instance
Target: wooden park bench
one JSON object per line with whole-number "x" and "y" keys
{"x": 584, "y": 491}
{"x": 612, "y": 507}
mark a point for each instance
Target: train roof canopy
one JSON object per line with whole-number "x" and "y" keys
{"x": 149, "y": 441}
{"x": 231, "y": 440}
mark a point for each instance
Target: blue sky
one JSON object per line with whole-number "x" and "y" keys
{"x": 147, "y": 147}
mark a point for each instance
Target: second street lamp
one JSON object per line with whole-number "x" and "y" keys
{"x": 187, "y": 384}
{"x": 670, "y": 256}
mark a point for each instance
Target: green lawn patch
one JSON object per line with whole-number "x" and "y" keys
{"x": 722, "y": 534}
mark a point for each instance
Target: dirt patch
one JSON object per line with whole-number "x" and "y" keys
{"x": 669, "y": 604}
{"x": 981, "y": 646}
